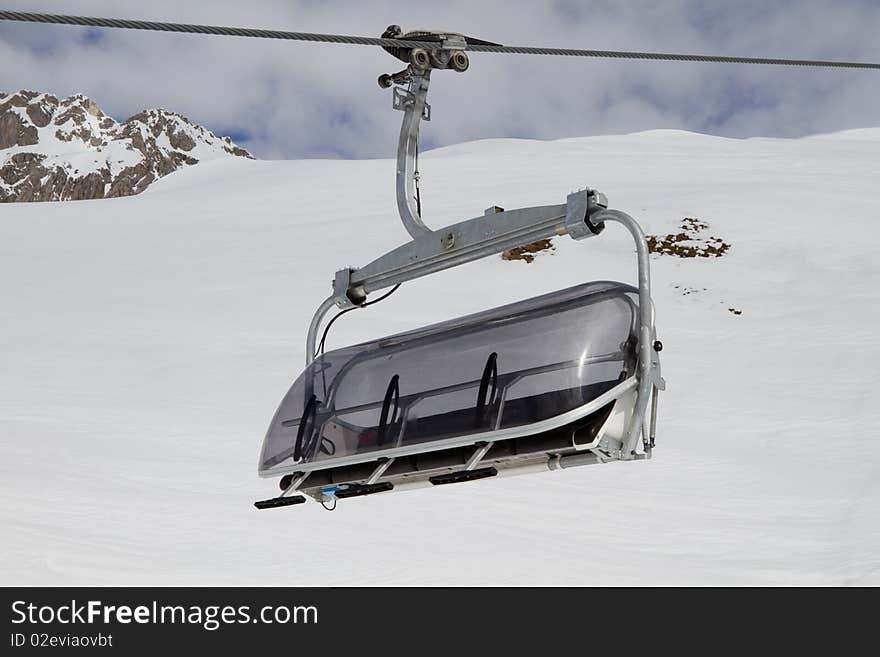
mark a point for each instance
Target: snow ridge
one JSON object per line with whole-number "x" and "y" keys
{"x": 68, "y": 149}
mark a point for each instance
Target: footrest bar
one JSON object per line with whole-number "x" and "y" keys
{"x": 462, "y": 475}
{"x": 359, "y": 490}
{"x": 277, "y": 502}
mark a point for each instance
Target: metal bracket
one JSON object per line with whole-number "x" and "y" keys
{"x": 478, "y": 455}
{"x": 454, "y": 42}
{"x": 346, "y": 293}
{"x": 402, "y": 99}
{"x": 295, "y": 484}
{"x": 384, "y": 464}
{"x": 578, "y": 208}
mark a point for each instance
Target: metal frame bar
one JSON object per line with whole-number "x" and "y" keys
{"x": 645, "y": 370}
{"x": 312, "y": 337}
{"x": 478, "y": 455}
{"x": 295, "y": 484}
{"x": 379, "y": 471}
{"x": 469, "y": 240}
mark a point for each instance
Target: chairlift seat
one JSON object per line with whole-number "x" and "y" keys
{"x": 534, "y": 380}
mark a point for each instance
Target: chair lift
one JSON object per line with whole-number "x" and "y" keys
{"x": 557, "y": 381}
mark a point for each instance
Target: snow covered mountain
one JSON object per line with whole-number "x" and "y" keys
{"x": 146, "y": 342}
{"x": 61, "y": 150}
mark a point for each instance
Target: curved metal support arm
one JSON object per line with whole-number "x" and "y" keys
{"x": 312, "y": 337}
{"x": 407, "y": 149}
{"x": 646, "y": 324}
{"x": 646, "y": 313}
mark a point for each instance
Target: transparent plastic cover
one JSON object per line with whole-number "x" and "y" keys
{"x": 506, "y": 367}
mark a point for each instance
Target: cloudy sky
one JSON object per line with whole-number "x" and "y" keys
{"x": 284, "y": 99}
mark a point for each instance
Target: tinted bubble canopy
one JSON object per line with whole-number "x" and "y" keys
{"x": 493, "y": 375}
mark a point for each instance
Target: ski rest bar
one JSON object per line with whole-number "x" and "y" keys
{"x": 359, "y": 490}
{"x": 463, "y": 475}
{"x": 277, "y": 502}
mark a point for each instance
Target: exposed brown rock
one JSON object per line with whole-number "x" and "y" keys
{"x": 690, "y": 242}
{"x": 14, "y": 131}
{"x": 20, "y": 166}
{"x": 527, "y": 253}
{"x": 39, "y": 115}
{"x": 181, "y": 140}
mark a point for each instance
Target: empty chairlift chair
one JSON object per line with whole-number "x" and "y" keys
{"x": 568, "y": 378}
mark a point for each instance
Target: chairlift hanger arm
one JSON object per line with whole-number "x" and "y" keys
{"x": 432, "y": 251}
{"x": 415, "y": 107}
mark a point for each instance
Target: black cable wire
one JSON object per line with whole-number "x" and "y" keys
{"x": 86, "y": 21}
{"x": 417, "y": 177}
{"x": 378, "y": 299}
{"x": 320, "y": 350}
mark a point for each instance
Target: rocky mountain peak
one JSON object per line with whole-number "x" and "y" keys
{"x": 55, "y": 149}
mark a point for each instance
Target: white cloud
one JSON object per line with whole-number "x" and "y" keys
{"x": 294, "y": 99}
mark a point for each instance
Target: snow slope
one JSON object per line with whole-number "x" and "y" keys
{"x": 147, "y": 340}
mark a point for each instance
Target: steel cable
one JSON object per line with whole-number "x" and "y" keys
{"x": 85, "y": 21}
